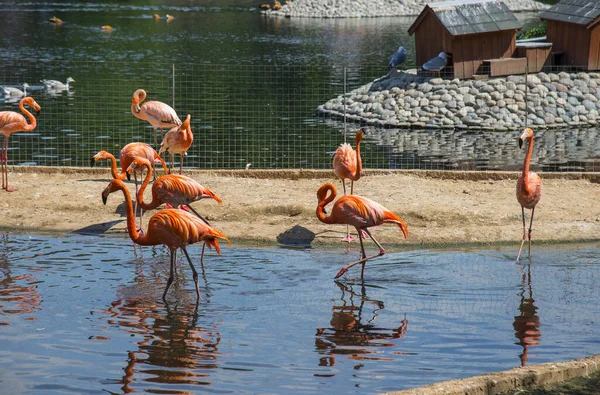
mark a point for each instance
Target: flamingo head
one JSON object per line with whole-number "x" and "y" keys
{"x": 527, "y": 134}
{"x": 31, "y": 103}
{"x": 112, "y": 186}
{"x": 138, "y": 97}
{"x": 322, "y": 194}
{"x": 101, "y": 155}
{"x": 360, "y": 134}
{"x": 138, "y": 163}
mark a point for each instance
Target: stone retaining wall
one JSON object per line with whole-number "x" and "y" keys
{"x": 403, "y": 99}
{"x": 372, "y": 8}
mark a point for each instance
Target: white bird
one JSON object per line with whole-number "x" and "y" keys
{"x": 397, "y": 58}
{"x": 57, "y": 85}
{"x": 437, "y": 63}
{"x": 10, "y": 91}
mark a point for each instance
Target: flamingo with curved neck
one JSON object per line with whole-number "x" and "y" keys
{"x": 173, "y": 189}
{"x": 158, "y": 114}
{"x": 126, "y": 157}
{"x": 11, "y": 122}
{"x": 173, "y": 228}
{"x": 178, "y": 140}
{"x": 357, "y": 211}
{"x": 529, "y": 188}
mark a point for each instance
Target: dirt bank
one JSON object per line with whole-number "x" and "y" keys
{"x": 440, "y": 208}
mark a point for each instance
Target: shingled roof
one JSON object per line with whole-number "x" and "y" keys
{"x": 461, "y": 17}
{"x": 580, "y": 12}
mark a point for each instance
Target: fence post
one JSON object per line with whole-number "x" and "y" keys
{"x": 345, "y": 70}
{"x": 173, "y": 94}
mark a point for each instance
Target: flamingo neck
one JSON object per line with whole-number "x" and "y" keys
{"x": 131, "y": 227}
{"x": 140, "y": 195}
{"x": 32, "y": 121}
{"x": 526, "y": 163}
{"x": 358, "y": 160}
{"x": 321, "y": 206}
{"x": 113, "y": 168}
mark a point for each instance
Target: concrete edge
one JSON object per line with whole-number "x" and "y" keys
{"x": 511, "y": 380}
{"x": 297, "y": 174}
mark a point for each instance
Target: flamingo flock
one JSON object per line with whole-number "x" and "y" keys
{"x": 175, "y": 227}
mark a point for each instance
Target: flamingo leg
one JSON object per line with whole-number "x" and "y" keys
{"x": 199, "y": 216}
{"x": 348, "y": 238}
{"x": 171, "y": 275}
{"x": 524, "y": 233}
{"x": 5, "y": 159}
{"x": 195, "y": 273}
{"x": 530, "y": 230}
{"x": 364, "y": 258}
{"x": 155, "y": 137}
{"x": 181, "y": 164}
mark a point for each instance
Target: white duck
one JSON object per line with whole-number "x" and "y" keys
{"x": 10, "y": 91}
{"x": 57, "y": 85}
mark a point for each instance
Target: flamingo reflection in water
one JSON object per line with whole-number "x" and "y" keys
{"x": 351, "y": 333}
{"x": 18, "y": 293}
{"x": 527, "y": 323}
{"x": 176, "y": 346}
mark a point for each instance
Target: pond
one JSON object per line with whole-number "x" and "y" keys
{"x": 251, "y": 83}
{"x": 84, "y": 314}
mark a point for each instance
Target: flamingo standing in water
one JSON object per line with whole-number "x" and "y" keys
{"x": 177, "y": 141}
{"x": 126, "y": 156}
{"x": 170, "y": 227}
{"x": 347, "y": 163}
{"x": 173, "y": 189}
{"x": 11, "y": 122}
{"x": 360, "y": 212}
{"x": 529, "y": 187}
{"x": 158, "y": 114}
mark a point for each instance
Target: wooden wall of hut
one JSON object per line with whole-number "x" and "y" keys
{"x": 431, "y": 38}
{"x": 574, "y": 41}
{"x": 537, "y": 58}
{"x": 469, "y": 51}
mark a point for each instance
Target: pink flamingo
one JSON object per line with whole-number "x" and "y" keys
{"x": 347, "y": 164}
{"x": 357, "y": 211}
{"x": 170, "y": 227}
{"x": 177, "y": 141}
{"x": 173, "y": 189}
{"x": 126, "y": 156}
{"x": 11, "y": 122}
{"x": 529, "y": 187}
{"x": 159, "y": 114}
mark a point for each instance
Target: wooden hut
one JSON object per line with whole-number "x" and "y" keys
{"x": 470, "y": 31}
{"x": 574, "y": 31}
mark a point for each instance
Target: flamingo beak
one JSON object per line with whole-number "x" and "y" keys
{"x": 92, "y": 162}
{"x": 104, "y": 198}
{"x": 520, "y": 142}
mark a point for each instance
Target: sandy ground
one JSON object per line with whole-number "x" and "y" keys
{"x": 440, "y": 208}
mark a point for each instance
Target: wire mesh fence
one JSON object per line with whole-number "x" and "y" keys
{"x": 267, "y": 117}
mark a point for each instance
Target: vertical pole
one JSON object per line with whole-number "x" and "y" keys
{"x": 173, "y": 85}
{"x": 345, "y": 91}
{"x": 526, "y": 89}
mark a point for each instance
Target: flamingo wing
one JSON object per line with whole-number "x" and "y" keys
{"x": 11, "y": 121}
{"x": 136, "y": 150}
{"x": 177, "y": 228}
{"x": 161, "y": 113}
{"x": 344, "y": 161}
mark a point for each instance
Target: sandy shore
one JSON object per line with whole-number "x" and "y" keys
{"x": 440, "y": 208}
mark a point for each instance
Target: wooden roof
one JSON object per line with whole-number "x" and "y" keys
{"x": 462, "y": 17}
{"x": 580, "y": 12}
